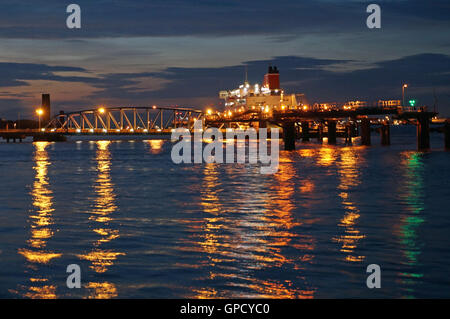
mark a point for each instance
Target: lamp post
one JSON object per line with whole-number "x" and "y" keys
{"x": 39, "y": 112}
{"x": 403, "y": 93}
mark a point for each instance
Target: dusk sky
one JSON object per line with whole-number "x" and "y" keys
{"x": 168, "y": 52}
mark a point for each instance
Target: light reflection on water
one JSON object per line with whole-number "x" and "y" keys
{"x": 240, "y": 240}
{"x": 102, "y": 217}
{"x": 350, "y": 179}
{"x": 41, "y": 229}
{"x": 410, "y": 221}
{"x": 149, "y": 228}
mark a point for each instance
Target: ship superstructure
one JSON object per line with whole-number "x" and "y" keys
{"x": 267, "y": 96}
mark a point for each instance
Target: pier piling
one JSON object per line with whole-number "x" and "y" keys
{"x": 349, "y": 133}
{"x": 385, "y": 132}
{"x": 365, "y": 132}
{"x": 262, "y": 124}
{"x": 331, "y": 132}
{"x": 423, "y": 132}
{"x": 289, "y": 136}
{"x": 320, "y": 132}
{"x": 305, "y": 131}
{"x": 447, "y": 135}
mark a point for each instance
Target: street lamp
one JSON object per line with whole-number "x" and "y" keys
{"x": 39, "y": 112}
{"x": 403, "y": 93}
{"x": 101, "y": 110}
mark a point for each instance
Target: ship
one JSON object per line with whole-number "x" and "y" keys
{"x": 265, "y": 97}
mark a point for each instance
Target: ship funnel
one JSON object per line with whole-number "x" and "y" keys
{"x": 272, "y": 78}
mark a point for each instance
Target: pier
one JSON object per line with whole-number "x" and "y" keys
{"x": 303, "y": 125}
{"x": 37, "y": 135}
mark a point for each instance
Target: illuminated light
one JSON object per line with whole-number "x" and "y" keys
{"x": 39, "y": 112}
{"x": 131, "y": 130}
{"x": 283, "y": 107}
{"x": 156, "y": 146}
{"x": 78, "y": 130}
{"x": 145, "y": 130}
{"x": 266, "y": 109}
{"x": 154, "y": 106}
{"x": 405, "y": 85}
{"x": 412, "y": 102}
{"x": 43, "y": 129}
{"x": 101, "y": 110}
{"x": 209, "y": 112}
{"x": 229, "y": 113}
{"x": 118, "y": 130}
{"x": 159, "y": 130}
{"x": 104, "y": 130}
{"x": 91, "y": 130}
{"x": 305, "y": 108}
{"x": 52, "y": 130}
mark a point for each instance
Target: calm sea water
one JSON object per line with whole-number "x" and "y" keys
{"x": 140, "y": 226}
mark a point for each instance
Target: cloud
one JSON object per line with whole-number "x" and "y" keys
{"x": 201, "y": 82}
{"x": 17, "y": 74}
{"x": 281, "y": 18}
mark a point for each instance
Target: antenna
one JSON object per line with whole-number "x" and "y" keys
{"x": 435, "y": 100}
{"x": 246, "y": 74}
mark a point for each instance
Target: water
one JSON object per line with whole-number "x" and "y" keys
{"x": 140, "y": 226}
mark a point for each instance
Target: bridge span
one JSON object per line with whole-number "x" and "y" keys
{"x": 125, "y": 120}
{"x": 146, "y": 120}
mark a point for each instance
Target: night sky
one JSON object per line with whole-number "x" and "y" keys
{"x": 166, "y": 52}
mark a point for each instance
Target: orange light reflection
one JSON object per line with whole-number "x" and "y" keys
{"x": 102, "y": 215}
{"x": 41, "y": 220}
{"x": 349, "y": 179}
